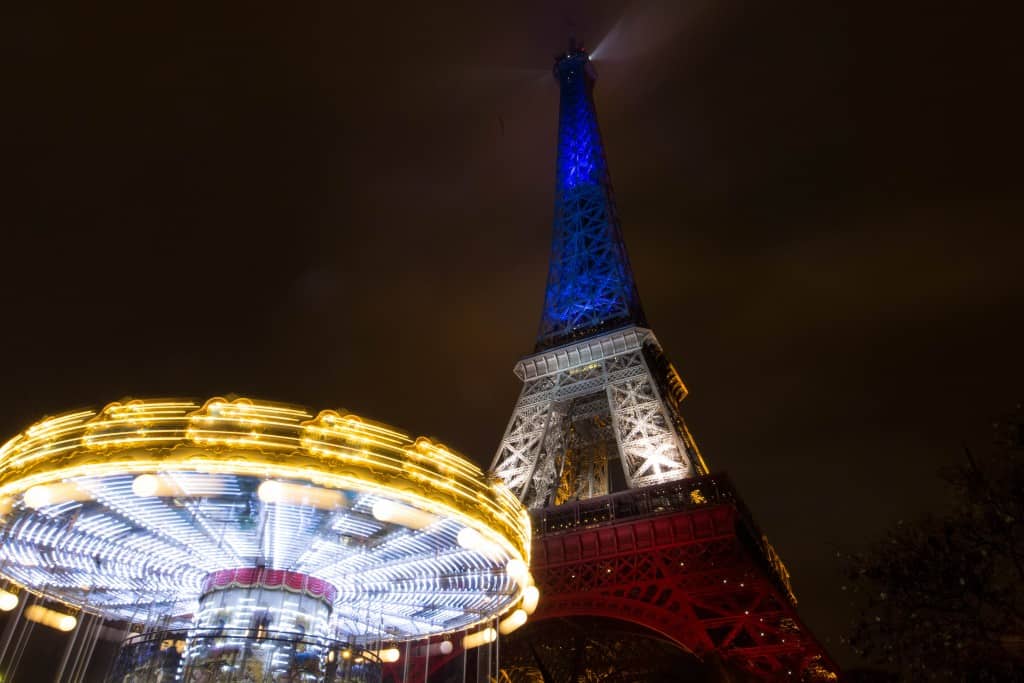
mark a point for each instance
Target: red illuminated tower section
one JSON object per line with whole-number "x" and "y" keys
{"x": 634, "y": 541}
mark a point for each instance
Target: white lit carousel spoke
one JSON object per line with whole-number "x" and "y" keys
{"x": 214, "y": 532}
{"x": 355, "y": 563}
{"x": 150, "y": 552}
{"x": 243, "y": 540}
{"x": 325, "y": 551}
{"x": 130, "y": 604}
{"x": 101, "y": 525}
{"x": 157, "y": 516}
{"x": 152, "y": 514}
{"x": 355, "y": 525}
{"x": 16, "y": 554}
{"x": 463, "y": 601}
{"x": 321, "y": 553}
{"x": 460, "y": 604}
{"x": 113, "y": 570}
{"x": 46, "y": 536}
{"x": 413, "y": 604}
{"x": 200, "y": 485}
{"x": 404, "y": 546}
{"x": 390, "y": 619}
{"x": 414, "y": 564}
{"x": 291, "y": 525}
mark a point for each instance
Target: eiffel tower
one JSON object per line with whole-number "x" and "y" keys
{"x": 637, "y": 547}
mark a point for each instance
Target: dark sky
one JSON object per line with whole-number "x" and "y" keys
{"x": 351, "y": 207}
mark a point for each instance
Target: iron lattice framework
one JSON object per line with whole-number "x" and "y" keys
{"x": 686, "y": 561}
{"x": 596, "y": 416}
{"x": 628, "y": 524}
{"x": 590, "y": 284}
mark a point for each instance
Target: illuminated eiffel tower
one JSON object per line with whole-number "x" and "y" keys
{"x": 632, "y": 534}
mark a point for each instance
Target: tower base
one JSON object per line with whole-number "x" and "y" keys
{"x": 683, "y": 561}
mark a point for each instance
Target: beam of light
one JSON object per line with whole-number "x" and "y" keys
{"x": 644, "y": 27}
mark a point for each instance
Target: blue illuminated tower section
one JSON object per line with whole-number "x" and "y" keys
{"x": 590, "y": 284}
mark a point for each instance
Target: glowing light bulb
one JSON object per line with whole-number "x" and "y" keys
{"x": 53, "y": 494}
{"x": 443, "y": 647}
{"x": 389, "y": 655}
{"x": 531, "y": 596}
{"x": 488, "y": 635}
{"x": 37, "y": 497}
{"x": 512, "y": 622}
{"x": 384, "y": 510}
{"x": 145, "y": 485}
{"x": 390, "y": 511}
{"x": 270, "y": 492}
{"x": 296, "y": 494}
{"x": 517, "y": 570}
{"x": 52, "y": 618}
{"x": 8, "y": 601}
{"x": 470, "y": 539}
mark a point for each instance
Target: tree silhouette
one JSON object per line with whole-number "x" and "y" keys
{"x": 943, "y": 598}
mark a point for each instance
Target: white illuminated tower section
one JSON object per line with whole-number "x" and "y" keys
{"x": 599, "y": 408}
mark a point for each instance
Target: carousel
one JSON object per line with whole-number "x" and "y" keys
{"x": 244, "y": 541}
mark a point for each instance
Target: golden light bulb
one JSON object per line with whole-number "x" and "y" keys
{"x": 66, "y": 623}
{"x": 37, "y": 497}
{"x": 531, "y": 596}
{"x": 517, "y": 570}
{"x": 8, "y": 601}
{"x": 145, "y": 485}
{"x": 512, "y": 622}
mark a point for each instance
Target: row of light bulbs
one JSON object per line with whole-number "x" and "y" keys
{"x": 38, "y": 613}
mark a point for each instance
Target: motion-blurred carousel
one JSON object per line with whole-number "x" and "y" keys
{"x": 244, "y": 541}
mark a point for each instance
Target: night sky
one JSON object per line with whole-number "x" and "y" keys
{"x": 351, "y": 207}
